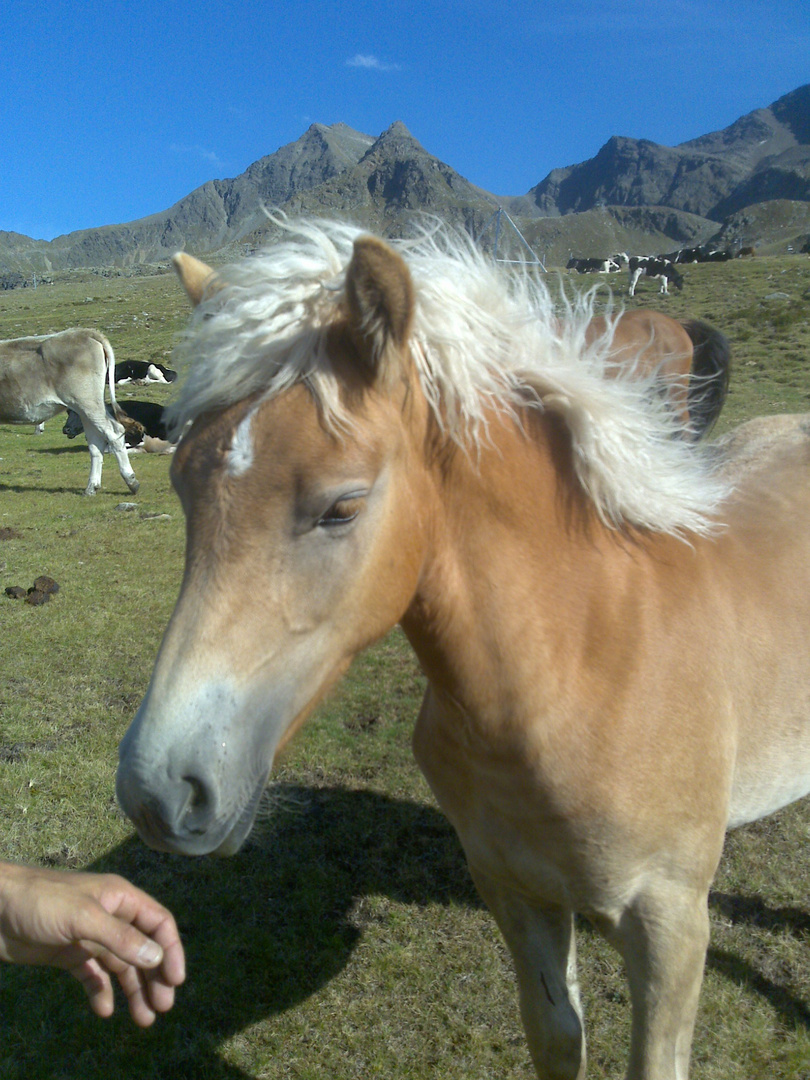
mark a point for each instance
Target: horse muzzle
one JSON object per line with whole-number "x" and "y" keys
{"x": 184, "y": 818}
{"x": 193, "y": 789}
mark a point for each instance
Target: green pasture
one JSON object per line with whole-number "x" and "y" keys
{"x": 345, "y": 940}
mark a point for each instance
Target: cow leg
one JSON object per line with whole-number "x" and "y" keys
{"x": 114, "y": 434}
{"x": 100, "y": 433}
{"x": 663, "y": 939}
{"x": 119, "y": 448}
{"x": 95, "y": 444}
{"x": 541, "y": 941}
{"x": 634, "y": 276}
{"x": 663, "y": 288}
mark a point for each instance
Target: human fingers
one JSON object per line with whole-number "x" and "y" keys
{"x": 172, "y": 969}
{"x": 148, "y": 990}
{"x": 115, "y": 943}
{"x": 97, "y": 985}
{"x": 136, "y": 986}
{"x": 137, "y": 911}
{"x": 160, "y": 992}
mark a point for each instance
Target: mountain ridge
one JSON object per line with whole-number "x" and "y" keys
{"x": 631, "y": 189}
{"x": 762, "y": 155}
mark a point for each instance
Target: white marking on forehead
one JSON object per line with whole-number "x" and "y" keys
{"x": 240, "y": 455}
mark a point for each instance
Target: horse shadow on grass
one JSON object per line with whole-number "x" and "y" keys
{"x": 266, "y": 929}
{"x": 262, "y": 932}
{"x": 755, "y": 913}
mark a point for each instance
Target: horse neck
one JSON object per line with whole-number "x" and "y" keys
{"x": 509, "y": 533}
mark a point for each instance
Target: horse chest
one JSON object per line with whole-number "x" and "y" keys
{"x": 524, "y": 820}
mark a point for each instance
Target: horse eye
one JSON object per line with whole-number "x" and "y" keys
{"x": 341, "y": 512}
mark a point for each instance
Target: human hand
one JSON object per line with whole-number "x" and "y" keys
{"x": 94, "y": 926}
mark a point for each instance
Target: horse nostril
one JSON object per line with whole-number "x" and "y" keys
{"x": 199, "y": 804}
{"x": 199, "y": 796}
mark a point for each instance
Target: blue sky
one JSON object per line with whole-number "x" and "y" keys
{"x": 113, "y": 110}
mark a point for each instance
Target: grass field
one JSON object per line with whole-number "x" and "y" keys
{"x": 345, "y": 940}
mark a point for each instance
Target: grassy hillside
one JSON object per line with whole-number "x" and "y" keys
{"x": 346, "y": 939}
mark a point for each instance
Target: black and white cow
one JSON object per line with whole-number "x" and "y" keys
{"x": 652, "y": 267}
{"x": 41, "y": 376}
{"x": 146, "y": 419}
{"x": 593, "y": 266}
{"x": 698, "y": 255}
{"x": 141, "y": 371}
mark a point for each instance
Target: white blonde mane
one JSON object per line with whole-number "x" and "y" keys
{"x": 480, "y": 338}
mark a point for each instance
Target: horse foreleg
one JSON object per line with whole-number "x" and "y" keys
{"x": 663, "y": 939}
{"x": 541, "y": 941}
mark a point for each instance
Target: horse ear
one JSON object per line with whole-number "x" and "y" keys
{"x": 196, "y": 276}
{"x": 380, "y": 298}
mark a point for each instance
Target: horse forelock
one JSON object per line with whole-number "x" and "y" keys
{"x": 481, "y": 339}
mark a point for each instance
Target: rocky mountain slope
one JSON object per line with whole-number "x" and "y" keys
{"x": 764, "y": 155}
{"x": 633, "y": 195}
{"x": 395, "y": 179}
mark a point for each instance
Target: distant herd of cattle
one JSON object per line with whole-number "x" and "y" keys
{"x": 660, "y": 267}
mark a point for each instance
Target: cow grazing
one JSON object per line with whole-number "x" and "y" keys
{"x": 661, "y": 269}
{"x": 716, "y": 256}
{"x": 141, "y": 371}
{"x": 41, "y": 376}
{"x": 140, "y": 419}
{"x": 699, "y": 255}
{"x": 594, "y": 266}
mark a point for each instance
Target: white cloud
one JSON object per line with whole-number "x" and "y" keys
{"x": 361, "y": 60}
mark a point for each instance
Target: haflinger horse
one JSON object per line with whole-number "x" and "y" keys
{"x": 691, "y": 360}
{"x": 614, "y": 629}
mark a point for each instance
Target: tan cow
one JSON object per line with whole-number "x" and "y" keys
{"x": 41, "y": 376}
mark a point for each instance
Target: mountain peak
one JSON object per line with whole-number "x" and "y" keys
{"x": 397, "y": 128}
{"x": 397, "y": 135}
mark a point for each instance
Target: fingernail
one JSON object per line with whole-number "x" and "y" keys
{"x": 150, "y": 953}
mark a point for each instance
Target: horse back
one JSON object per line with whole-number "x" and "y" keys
{"x": 764, "y": 561}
